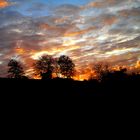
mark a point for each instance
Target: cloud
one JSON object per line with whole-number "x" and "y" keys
{"x": 130, "y": 12}
{"x": 102, "y": 30}
{"x": 4, "y": 3}
{"x": 79, "y": 32}
{"x": 66, "y": 10}
{"x": 38, "y": 7}
{"x": 103, "y": 3}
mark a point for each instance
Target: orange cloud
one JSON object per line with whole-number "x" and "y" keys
{"x": 95, "y": 4}
{"x": 110, "y": 20}
{"x": 20, "y": 51}
{"x": 137, "y": 64}
{"x": 46, "y": 26}
{"x": 71, "y": 34}
{"x": 4, "y": 3}
{"x": 100, "y": 4}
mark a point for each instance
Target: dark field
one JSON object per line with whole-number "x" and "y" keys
{"x": 66, "y": 87}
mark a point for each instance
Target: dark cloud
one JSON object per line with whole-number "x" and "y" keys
{"x": 106, "y": 30}
{"x": 10, "y": 17}
{"x": 130, "y": 12}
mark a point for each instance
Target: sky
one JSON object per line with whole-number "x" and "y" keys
{"x": 88, "y": 31}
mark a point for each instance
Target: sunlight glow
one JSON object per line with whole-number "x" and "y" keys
{"x": 37, "y": 55}
{"x": 3, "y": 3}
{"x": 87, "y": 31}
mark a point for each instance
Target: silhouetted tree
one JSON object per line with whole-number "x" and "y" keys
{"x": 56, "y": 67}
{"x": 66, "y": 66}
{"x": 45, "y": 66}
{"x": 15, "y": 69}
{"x": 101, "y": 70}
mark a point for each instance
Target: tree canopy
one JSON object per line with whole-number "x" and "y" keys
{"x": 15, "y": 69}
{"x": 45, "y": 66}
{"x": 66, "y": 66}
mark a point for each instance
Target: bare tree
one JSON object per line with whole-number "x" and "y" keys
{"x": 101, "y": 70}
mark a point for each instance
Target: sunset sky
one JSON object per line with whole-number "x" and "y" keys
{"x": 86, "y": 30}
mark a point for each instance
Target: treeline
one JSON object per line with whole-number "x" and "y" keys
{"x": 45, "y": 67}
{"x": 48, "y": 67}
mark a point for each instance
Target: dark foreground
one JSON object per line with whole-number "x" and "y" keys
{"x": 65, "y": 87}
